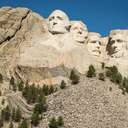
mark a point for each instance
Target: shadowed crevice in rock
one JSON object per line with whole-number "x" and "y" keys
{"x": 9, "y": 37}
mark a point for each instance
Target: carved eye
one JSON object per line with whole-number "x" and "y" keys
{"x": 82, "y": 29}
{"x": 51, "y": 18}
{"x": 119, "y": 40}
{"x": 112, "y": 42}
{"x": 60, "y": 18}
{"x": 93, "y": 42}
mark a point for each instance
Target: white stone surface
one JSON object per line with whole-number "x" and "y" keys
{"x": 94, "y": 44}
{"x": 58, "y": 22}
{"x": 79, "y": 31}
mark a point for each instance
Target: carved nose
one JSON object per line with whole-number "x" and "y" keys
{"x": 80, "y": 32}
{"x": 98, "y": 47}
{"x": 54, "y": 23}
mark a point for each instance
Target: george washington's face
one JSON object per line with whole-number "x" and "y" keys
{"x": 58, "y": 22}
{"x": 94, "y": 45}
{"x": 118, "y": 44}
{"x": 79, "y": 31}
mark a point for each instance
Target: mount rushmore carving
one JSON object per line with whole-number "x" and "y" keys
{"x": 45, "y": 50}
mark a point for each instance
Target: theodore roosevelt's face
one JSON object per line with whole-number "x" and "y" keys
{"x": 58, "y": 22}
{"x": 79, "y": 31}
{"x": 94, "y": 46}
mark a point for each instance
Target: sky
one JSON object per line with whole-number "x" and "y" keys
{"x": 100, "y": 16}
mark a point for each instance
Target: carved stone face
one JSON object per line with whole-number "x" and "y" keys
{"x": 118, "y": 44}
{"x": 94, "y": 45}
{"x": 58, "y": 22}
{"x": 79, "y": 31}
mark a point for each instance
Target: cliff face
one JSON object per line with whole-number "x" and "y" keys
{"x": 18, "y": 28}
{"x": 28, "y": 49}
{"x": 39, "y": 50}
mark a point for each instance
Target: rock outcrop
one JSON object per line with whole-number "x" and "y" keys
{"x": 39, "y": 50}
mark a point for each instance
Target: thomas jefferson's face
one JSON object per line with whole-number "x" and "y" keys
{"x": 58, "y": 22}
{"x": 79, "y": 31}
{"x": 94, "y": 46}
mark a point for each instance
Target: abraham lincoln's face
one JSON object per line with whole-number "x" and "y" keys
{"x": 118, "y": 44}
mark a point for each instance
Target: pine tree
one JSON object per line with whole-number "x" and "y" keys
{"x": 41, "y": 106}
{"x": 5, "y": 114}
{"x": 101, "y": 76}
{"x": 18, "y": 115}
{"x": 60, "y": 121}
{"x": 11, "y": 125}
{"x": 1, "y": 78}
{"x": 51, "y": 90}
{"x": 20, "y": 86}
{"x": 45, "y": 89}
{"x": 63, "y": 84}
{"x": 91, "y": 72}
{"x": 35, "y": 119}
{"x": 1, "y": 122}
{"x": 13, "y": 114}
{"x": 125, "y": 84}
{"x": 23, "y": 124}
{"x": 53, "y": 123}
{"x": 74, "y": 77}
{"x": 12, "y": 82}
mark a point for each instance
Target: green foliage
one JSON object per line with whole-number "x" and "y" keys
{"x": 1, "y": 123}
{"x": 12, "y": 81}
{"x": 3, "y": 101}
{"x": 60, "y": 121}
{"x": 102, "y": 65}
{"x": 114, "y": 75}
{"x": 101, "y": 76}
{"x": 91, "y": 72}
{"x": 111, "y": 70}
{"x": 35, "y": 119}
{"x": 125, "y": 84}
{"x": 53, "y": 123}
{"x": 63, "y": 84}
{"x": 51, "y": 90}
{"x": 74, "y": 77}
{"x": 45, "y": 89}
{"x": 118, "y": 78}
{"x": 5, "y": 114}
{"x": 21, "y": 86}
{"x": 32, "y": 93}
{"x": 13, "y": 114}
{"x": 110, "y": 89}
{"x": 23, "y": 124}
{"x": 1, "y": 78}
{"x": 41, "y": 106}
{"x": 16, "y": 115}
{"x": 11, "y": 125}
